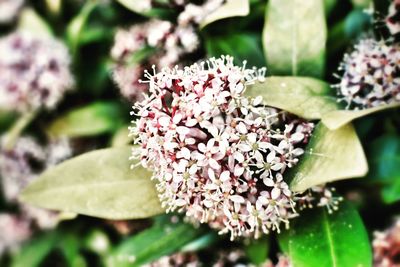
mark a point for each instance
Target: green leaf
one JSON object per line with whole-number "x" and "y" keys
{"x": 242, "y": 46}
{"x": 200, "y": 243}
{"x": 231, "y": 8}
{"x": 78, "y": 24}
{"x": 338, "y": 118}
{"x": 294, "y": 37}
{"x": 135, "y": 5}
{"x": 384, "y": 160}
{"x": 257, "y": 251}
{"x": 70, "y": 247}
{"x": 308, "y": 98}
{"x": 93, "y": 119}
{"x": 31, "y": 22}
{"x": 329, "y": 156}
{"x": 99, "y": 184}
{"x": 33, "y": 253}
{"x": 121, "y": 137}
{"x": 152, "y": 244}
{"x": 318, "y": 238}
{"x": 346, "y": 31}
{"x": 329, "y": 5}
{"x": 146, "y": 10}
{"x": 362, "y": 3}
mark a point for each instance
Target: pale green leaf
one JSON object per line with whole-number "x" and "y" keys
{"x": 98, "y": 183}
{"x": 231, "y": 8}
{"x": 308, "y": 98}
{"x": 318, "y": 238}
{"x": 121, "y": 137}
{"x": 31, "y": 22}
{"x": 137, "y": 6}
{"x": 96, "y": 118}
{"x": 329, "y": 156}
{"x": 294, "y": 37}
{"x": 338, "y": 118}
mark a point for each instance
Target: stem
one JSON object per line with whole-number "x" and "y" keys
{"x": 12, "y": 135}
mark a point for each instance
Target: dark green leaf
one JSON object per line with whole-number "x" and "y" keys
{"x": 294, "y": 37}
{"x": 201, "y": 242}
{"x": 308, "y": 98}
{"x": 34, "y": 252}
{"x": 257, "y": 251}
{"x": 329, "y": 156}
{"x": 96, "y": 118}
{"x": 385, "y": 166}
{"x": 78, "y": 24}
{"x": 243, "y": 46}
{"x": 152, "y": 244}
{"x": 318, "y": 238}
{"x": 99, "y": 183}
{"x": 70, "y": 248}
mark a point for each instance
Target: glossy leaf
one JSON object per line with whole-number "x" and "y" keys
{"x": 384, "y": 161}
{"x": 338, "y": 118}
{"x": 31, "y": 22}
{"x": 308, "y": 98}
{"x": 98, "y": 183}
{"x": 294, "y": 37}
{"x": 231, "y": 8}
{"x": 329, "y": 156}
{"x": 96, "y": 118}
{"x": 243, "y": 46}
{"x": 152, "y": 244}
{"x": 318, "y": 238}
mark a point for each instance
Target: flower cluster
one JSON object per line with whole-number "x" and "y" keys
{"x": 216, "y": 154}
{"x": 14, "y": 231}
{"x": 157, "y": 42}
{"x": 21, "y": 164}
{"x": 386, "y": 246}
{"x": 34, "y": 72}
{"x": 9, "y": 10}
{"x": 371, "y": 75}
{"x": 393, "y": 18}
